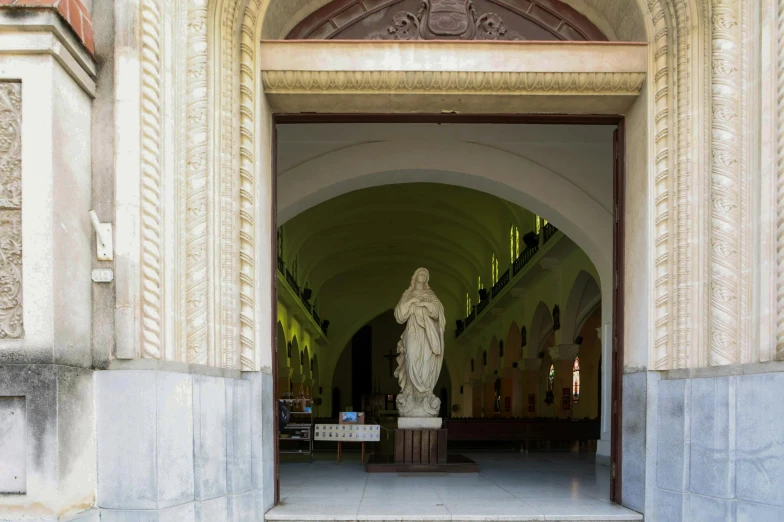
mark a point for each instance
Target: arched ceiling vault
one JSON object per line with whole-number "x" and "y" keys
{"x": 417, "y": 210}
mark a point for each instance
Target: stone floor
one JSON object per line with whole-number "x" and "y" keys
{"x": 509, "y": 486}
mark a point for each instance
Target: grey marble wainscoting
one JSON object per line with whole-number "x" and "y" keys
{"x": 184, "y": 447}
{"x": 716, "y": 442}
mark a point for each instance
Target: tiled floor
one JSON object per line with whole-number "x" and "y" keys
{"x": 509, "y": 486}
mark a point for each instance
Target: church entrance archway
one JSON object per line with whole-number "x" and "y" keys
{"x": 349, "y": 169}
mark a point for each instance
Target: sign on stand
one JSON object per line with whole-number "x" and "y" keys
{"x": 348, "y": 432}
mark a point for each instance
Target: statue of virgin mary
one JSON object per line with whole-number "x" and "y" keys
{"x": 420, "y": 349}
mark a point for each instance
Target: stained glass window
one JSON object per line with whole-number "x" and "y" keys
{"x": 539, "y": 224}
{"x": 576, "y": 379}
{"x": 514, "y": 243}
{"x": 551, "y": 379}
{"x": 468, "y": 304}
{"x": 494, "y": 269}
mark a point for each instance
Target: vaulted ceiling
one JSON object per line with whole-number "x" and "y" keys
{"x": 357, "y": 251}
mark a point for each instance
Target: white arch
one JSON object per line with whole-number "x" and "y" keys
{"x": 469, "y": 165}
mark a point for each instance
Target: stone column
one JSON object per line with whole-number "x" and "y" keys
{"x": 529, "y": 369}
{"x": 563, "y": 360}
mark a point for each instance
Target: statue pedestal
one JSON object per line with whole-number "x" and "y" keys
{"x": 424, "y": 447}
{"x": 419, "y": 423}
{"x": 421, "y": 450}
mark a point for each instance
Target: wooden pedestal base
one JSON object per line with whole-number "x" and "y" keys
{"x": 421, "y": 450}
{"x": 420, "y": 446}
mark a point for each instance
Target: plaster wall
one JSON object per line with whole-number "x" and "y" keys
{"x": 46, "y": 386}
{"x": 56, "y": 232}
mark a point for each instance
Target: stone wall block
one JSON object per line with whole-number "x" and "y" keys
{"x": 242, "y": 508}
{"x": 209, "y": 437}
{"x": 181, "y": 513}
{"x": 214, "y": 510}
{"x": 269, "y": 436}
{"x": 76, "y": 462}
{"x": 752, "y": 512}
{"x": 239, "y": 436}
{"x": 671, "y": 435}
{"x": 634, "y": 440}
{"x": 125, "y": 428}
{"x": 174, "y": 439}
{"x": 760, "y": 444}
{"x": 712, "y": 471}
{"x": 265, "y": 497}
{"x": 668, "y": 505}
{"x": 709, "y": 509}
{"x": 256, "y": 427}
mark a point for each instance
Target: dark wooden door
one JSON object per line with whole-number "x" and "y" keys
{"x": 617, "y": 320}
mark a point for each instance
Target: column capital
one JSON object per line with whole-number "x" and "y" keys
{"x": 564, "y": 352}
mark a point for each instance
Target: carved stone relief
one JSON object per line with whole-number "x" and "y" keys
{"x": 445, "y": 19}
{"x": 11, "y": 324}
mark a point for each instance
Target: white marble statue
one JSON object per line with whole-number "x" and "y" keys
{"x": 420, "y": 349}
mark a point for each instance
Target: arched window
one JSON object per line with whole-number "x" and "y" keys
{"x": 514, "y": 243}
{"x": 551, "y": 379}
{"x": 479, "y": 284}
{"x": 494, "y": 269}
{"x": 576, "y": 380}
{"x": 539, "y": 224}
{"x": 468, "y": 304}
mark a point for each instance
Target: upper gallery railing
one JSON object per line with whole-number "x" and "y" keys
{"x": 525, "y": 257}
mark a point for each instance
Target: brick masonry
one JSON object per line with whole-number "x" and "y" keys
{"x": 73, "y": 12}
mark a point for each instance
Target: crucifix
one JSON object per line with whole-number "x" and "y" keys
{"x": 391, "y": 356}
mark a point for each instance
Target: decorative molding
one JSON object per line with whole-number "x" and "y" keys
{"x": 726, "y": 289}
{"x": 247, "y": 201}
{"x": 780, "y": 191}
{"x": 11, "y": 313}
{"x": 368, "y": 82}
{"x": 662, "y": 262}
{"x": 196, "y": 277}
{"x": 228, "y": 180}
{"x": 684, "y": 175}
{"x": 151, "y": 194}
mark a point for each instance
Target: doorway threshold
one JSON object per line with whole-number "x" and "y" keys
{"x": 508, "y": 487}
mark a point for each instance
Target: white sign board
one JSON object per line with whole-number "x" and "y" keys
{"x": 348, "y": 432}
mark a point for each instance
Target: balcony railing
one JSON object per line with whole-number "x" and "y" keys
{"x": 548, "y": 231}
{"x": 322, "y": 324}
{"x": 500, "y": 284}
{"x": 525, "y": 257}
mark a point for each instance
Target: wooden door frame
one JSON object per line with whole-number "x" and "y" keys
{"x": 619, "y": 196}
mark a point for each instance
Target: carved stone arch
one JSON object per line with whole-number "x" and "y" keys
{"x": 677, "y": 69}
{"x": 282, "y": 344}
{"x": 513, "y": 349}
{"x": 538, "y": 20}
{"x": 541, "y": 326}
{"x": 584, "y": 296}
